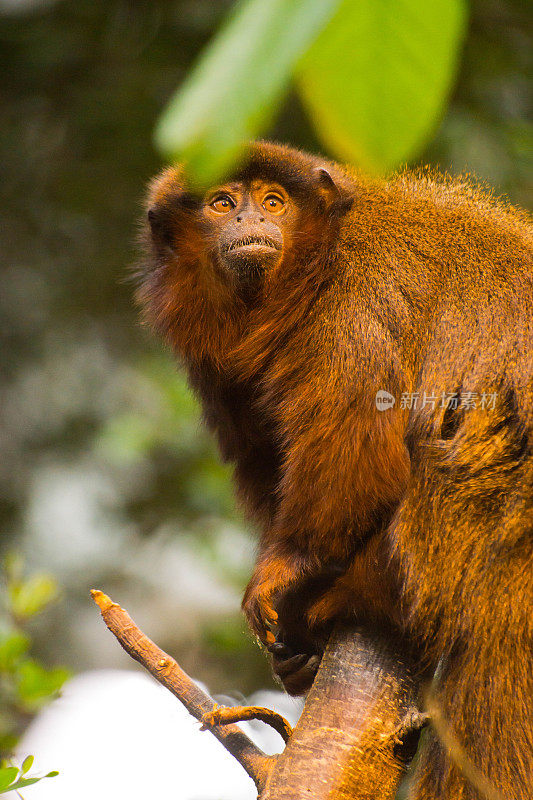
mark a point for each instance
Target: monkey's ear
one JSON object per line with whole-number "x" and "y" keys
{"x": 327, "y": 183}
{"x": 160, "y": 223}
{"x": 168, "y": 217}
{"x": 327, "y": 187}
{"x": 337, "y": 199}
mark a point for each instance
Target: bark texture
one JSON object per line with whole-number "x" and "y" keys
{"x": 359, "y": 719}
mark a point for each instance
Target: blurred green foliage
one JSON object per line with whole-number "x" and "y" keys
{"x": 373, "y": 75}
{"x": 171, "y": 432}
{"x": 25, "y": 683}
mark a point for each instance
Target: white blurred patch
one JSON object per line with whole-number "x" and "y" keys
{"x": 69, "y": 519}
{"x": 117, "y": 734}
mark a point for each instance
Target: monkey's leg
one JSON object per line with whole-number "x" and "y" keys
{"x": 463, "y": 533}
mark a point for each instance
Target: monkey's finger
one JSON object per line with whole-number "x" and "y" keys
{"x": 260, "y": 612}
{"x": 254, "y": 614}
{"x": 270, "y": 616}
{"x": 258, "y": 626}
{"x": 326, "y": 608}
{"x": 285, "y": 666}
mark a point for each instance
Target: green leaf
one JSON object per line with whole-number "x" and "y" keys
{"x": 376, "y": 79}
{"x": 13, "y": 645}
{"x": 7, "y": 776}
{"x": 35, "y": 684}
{"x": 26, "y": 765}
{"x": 236, "y": 86}
{"x": 23, "y": 782}
{"x": 20, "y": 784}
{"x": 31, "y": 596}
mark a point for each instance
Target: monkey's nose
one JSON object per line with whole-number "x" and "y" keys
{"x": 251, "y": 218}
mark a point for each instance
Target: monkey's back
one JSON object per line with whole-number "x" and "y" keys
{"x": 450, "y": 270}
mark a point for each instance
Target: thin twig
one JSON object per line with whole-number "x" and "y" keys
{"x": 168, "y": 672}
{"x": 456, "y": 752}
{"x": 223, "y": 715}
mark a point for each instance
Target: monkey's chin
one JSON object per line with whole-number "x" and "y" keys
{"x": 249, "y": 263}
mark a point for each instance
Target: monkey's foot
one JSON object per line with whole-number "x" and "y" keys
{"x": 295, "y": 670}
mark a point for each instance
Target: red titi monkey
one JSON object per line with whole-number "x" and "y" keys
{"x": 296, "y": 293}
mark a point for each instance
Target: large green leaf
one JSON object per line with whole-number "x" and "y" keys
{"x": 234, "y": 90}
{"x": 376, "y": 79}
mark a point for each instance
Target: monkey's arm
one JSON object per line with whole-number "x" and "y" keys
{"x": 344, "y": 470}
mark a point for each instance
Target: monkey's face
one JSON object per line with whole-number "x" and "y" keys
{"x": 275, "y": 211}
{"x": 248, "y": 225}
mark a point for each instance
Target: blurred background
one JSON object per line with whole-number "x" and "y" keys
{"x": 107, "y": 478}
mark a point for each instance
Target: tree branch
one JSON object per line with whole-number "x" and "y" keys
{"x": 359, "y": 727}
{"x": 168, "y": 672}
{"x": 357, "y": 730}
{"x": 222, "y": 715}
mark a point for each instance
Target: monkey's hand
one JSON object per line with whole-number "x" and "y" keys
{"x": 276, "y": 603}
{"x": 272, "y": 576}
{"x": 278, "y": 574}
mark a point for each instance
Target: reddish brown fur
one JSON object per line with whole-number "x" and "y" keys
{"x": 417, "y": 284}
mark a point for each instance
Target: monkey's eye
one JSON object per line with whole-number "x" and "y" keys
{"x": 274, "y": 204}
{"x": 222, "y": 204}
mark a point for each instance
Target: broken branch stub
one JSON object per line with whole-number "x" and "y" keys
{"x": 169, "y": 673}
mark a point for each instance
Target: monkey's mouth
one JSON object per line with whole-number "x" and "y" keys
{"x": 252, "y": 244}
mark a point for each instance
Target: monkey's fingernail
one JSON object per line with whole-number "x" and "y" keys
{"x": 270, "y": 638}
{"x": 278, "y": 649}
